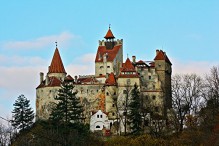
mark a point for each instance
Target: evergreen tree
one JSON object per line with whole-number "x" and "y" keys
{"x": 68, "y": 108}
{"x": 22, "y": 113}
{"x": 134, "y": 114}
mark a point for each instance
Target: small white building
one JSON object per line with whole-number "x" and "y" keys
{"x": 99, "y": 120}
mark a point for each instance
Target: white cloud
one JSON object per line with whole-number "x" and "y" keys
{"x": 198, "y": 67}
{"x": 21, "y": 61}
{"x": 41, "y": 42}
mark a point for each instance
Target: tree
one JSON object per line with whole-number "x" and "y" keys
{"x": 134, "y": 112}
{"x": 22, "y": 113}
{"x": 68, "y": 108}
{"x": 187, "y": 94}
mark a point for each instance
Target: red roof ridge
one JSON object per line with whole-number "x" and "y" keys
{"x": 128, "y": 66}
{"x": 56, "y": 65}
{"x": 161, "y": 55}
{"x": 111, "y": 80}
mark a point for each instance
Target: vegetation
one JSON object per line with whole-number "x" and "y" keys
{"x": 68, "y": 108}
{"x": 134, "y": 113}
{"x": 22, "y": 113}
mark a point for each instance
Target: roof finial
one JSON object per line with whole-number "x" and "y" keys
{"x": 127, "y": 55}
{"x": 109, "y": 26}
{"x": 56, "y": 44}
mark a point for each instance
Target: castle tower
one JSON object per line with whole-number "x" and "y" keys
{"x": 164, "y": 71}
{"x": 49, "y": 87}
{"x": 109, "y": 56}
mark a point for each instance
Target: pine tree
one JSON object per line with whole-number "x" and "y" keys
{"x": 68, "y": 108}
{"x": 22, "y": 113}
{"x": 134, "y": 114}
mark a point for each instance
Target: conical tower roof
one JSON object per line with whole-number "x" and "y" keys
{"x": 56, "y": 65}
{"x": 109, "y": 34}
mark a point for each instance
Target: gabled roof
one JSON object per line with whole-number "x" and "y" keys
{"x": 128, "y": 70}
{"x": 111, "y": 80}
{"x": 111, "y": 54}
{"x": 53, "y": 82}
{"x": 162, "y": 56}
{"x": 69, "y": 78}
{"x": 127, "y": 66}
{"x": 56, "y": 65}
{"x": 109, "y": 35}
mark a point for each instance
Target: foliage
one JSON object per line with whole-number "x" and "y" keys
{"x": 22, "y": 113}
{"x": 134, "y": 115}
{"x": 68, "y": 108}
{"x": 45, "y": 133}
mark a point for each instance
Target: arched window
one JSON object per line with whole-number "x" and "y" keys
{"x": 97, "y": 126}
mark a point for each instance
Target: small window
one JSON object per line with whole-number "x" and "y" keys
{"x": 101, "y": 116}
{"x": 146, "y": 123}
{"x": 146, "y": 97}
{"x": 124, "y": 92}
{"x": 156, "y": 109}
{"x": 101, "y": 66}
{"x": 149, "y": 77}
{"x": 153, "y": 86}
{"x": 114, "y": 93}
{"x": 107, "y": 93}
{"x": 97, "y": 116}
{"x": 154, "y": 97}
{"x": 100, "y": 74}
{"x": 97, "y": 126}
{"x": 113, "y": 105}
{"x": 108, "y": 66}
{"x": 113, "y": 114}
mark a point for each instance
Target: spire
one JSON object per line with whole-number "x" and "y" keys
{"x": 109, "y": 34}
{"x": 56, "y": 65}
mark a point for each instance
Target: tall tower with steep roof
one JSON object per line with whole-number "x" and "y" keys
{"x": 109, "y": 56}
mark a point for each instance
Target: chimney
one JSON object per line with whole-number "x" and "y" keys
{"x": 133, "y": 59}
{"x": 47, "y": 80}
{"x": 41, "y": 77}
{"x": 76, "y": 79}
{"x": 157, "y": 51}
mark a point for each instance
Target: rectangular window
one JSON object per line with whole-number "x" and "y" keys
{"x": 108, "y": 66}
{"x": 149, "y": 77}
{"x": 97, "y": 116}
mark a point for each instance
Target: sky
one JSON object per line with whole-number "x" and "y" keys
{"x": 187, "y": 30}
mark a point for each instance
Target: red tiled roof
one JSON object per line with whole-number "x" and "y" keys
{"x": 53, "y": 81}
{"x": 111, "y": 80}
{"x": 140, "y": 62}
{"x": 152, "y": 64}
{"x": 87, "y": 80}
{"x": 127, "y": 66}
{"x": 162, "y": 56}
{"x": 109, "y": 35}
{"x": 56, "y": 64}
{"x": 69, "y": 78}
{"x": 111, "y": 53}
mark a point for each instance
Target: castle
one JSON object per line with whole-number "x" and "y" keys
{"x": 108, "y": 90}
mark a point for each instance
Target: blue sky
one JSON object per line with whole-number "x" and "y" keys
{"x": 187, "y": 30}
